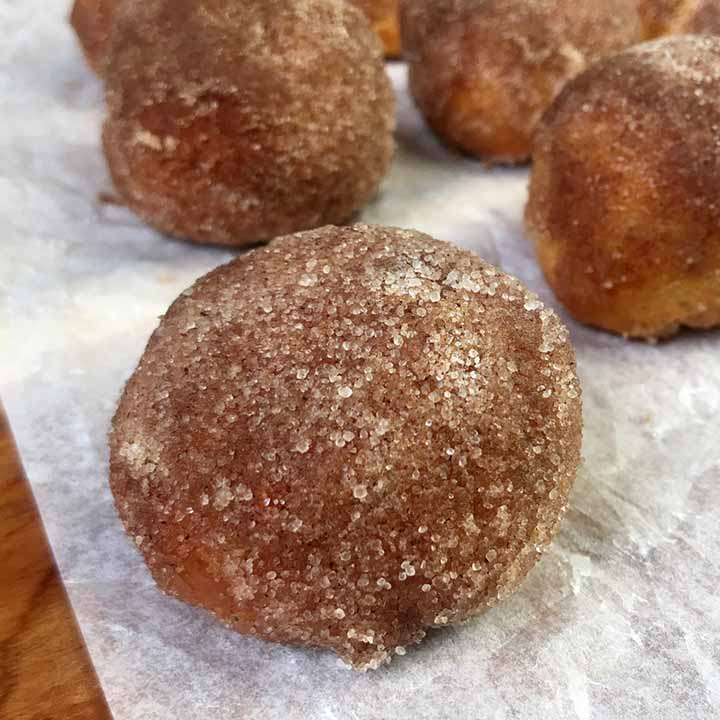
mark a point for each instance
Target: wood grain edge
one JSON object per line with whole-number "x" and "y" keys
{"x": 45, "y": 671}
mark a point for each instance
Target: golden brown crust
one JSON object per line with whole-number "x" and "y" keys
{"x": 483, "y": 71}
{"x": 347, "y": 437}
{"x": 679, "y": 17}
{"x": 92, "y": 21}
{"x": 623, "y": 201}
{"x": 234, "y": 122}
{"x": 383, "y": 16}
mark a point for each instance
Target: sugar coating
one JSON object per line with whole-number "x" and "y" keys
{"x": 623, "y": 202}
{"x": 234, "y": 122}
{"x": 483, "y": 71}
{"x": 383, "y": 16}
{"x": 92, "y": 21}
{"x": 343, "y": 471}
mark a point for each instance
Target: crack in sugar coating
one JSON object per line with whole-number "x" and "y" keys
{"x": 383, "y": 16}
{"x": 483, "y": 71}
{"x": 235, "y": 122}
{"x": 623, "y": 202}
{"x": 348, "y": 437}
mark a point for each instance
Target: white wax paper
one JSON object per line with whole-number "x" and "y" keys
{"x": 620, "y": 620}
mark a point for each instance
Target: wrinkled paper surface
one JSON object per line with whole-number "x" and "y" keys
{"x": 620, "y": 620}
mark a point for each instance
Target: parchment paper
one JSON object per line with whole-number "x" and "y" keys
{"x": 620, "y": 620}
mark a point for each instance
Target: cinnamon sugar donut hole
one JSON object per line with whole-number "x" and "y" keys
{"x": 233, "y": 122}
{"x": 92, "y": 21}
{"x": 383, "y": 16}
{"x": 483, "y": 71}
{"x": 348, "y": 437}
{"x": 678, "y": 17}
{"x": 623, "y": 201}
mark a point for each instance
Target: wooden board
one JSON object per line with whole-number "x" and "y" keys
{"x": 45, "y": 671}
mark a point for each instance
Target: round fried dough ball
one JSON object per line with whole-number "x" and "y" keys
{"x": 233, "y": 122}
{"x": 92, "y": 21}
{"x": 383, "y": 16}
{"x": 624, "y": 193}
{"x": 676, "y": 17}
{"x": 347, "y": 437}
{"x": 483, "y": 71}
